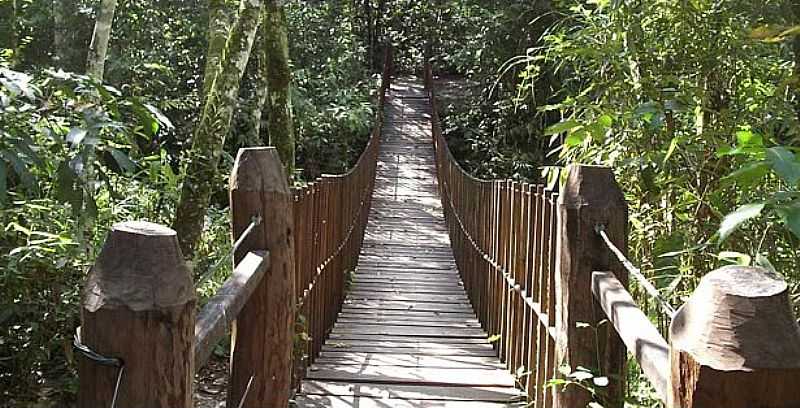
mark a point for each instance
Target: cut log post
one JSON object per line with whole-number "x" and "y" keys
{"x": 735, "y": 343}
{"x": 262, "y": 337}
{"x": 590, "y": 198}
{"x": 139, "y": 306}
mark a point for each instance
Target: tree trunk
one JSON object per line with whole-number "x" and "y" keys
{"x": 98, "y": 49}
{"x": 220, "y": 16}
{"x": 200, "y": 179}
{"x": 254, "y": 97}
{"x": 279, "y": 106}
{"x": 65, "y": 21}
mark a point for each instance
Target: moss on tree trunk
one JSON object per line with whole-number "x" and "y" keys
{"x": 278, "y": 103}
{"x": 201, "y": 172}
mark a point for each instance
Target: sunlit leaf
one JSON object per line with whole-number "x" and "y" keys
{"x": 736, "y": 218}
{"x": 561, "y": 127}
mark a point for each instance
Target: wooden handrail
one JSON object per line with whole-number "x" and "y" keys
{"x": 216, "y": 317}
{"x": 290, "y": 269}
{"x": 529, "y": 259}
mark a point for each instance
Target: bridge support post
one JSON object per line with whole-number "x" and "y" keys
{"x": 735, "y": 343}
{"x": 590, "y": 198}
{"x": 263, "y": 335}
{"x": 138, "y": 310}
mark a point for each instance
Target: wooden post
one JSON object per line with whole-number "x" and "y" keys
{"x": 139, "y": 306}
{"x": 262, "y": 338}
{"x": 591, "y": 197}
{"x": 735, "y": 343}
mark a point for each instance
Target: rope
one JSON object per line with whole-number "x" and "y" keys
{"x": 256, "y": 221}
{"x": 636, "y": 272}
{"x": 101, "y": 360}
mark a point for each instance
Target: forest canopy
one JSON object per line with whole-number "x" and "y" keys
{"x": 119, "y": 110}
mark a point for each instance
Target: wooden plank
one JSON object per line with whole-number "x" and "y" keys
{"x": 406, "y": 360}
{"x": 323, "y": 401}
{"x": 408, "y": 340}
{"x": 215, "y": 318}
{"x": 406, "y": 392}
{"x": 406, "y": 375}
{"x": 637, "y": 332}
{"x": 392, "y": 330}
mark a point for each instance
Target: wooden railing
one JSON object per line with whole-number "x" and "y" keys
{"x": 141, "y": 339}
{"x": 547, "y": 274}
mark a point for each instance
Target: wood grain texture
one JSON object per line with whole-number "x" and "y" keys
{"x": 139, "y": 306}
{"x": 736, "y": 343}
{"x": 406, "y": 330}
{"x": 590, "y": 197}
{"x": 263, "y": 334}
{"x": 219, "y": 313}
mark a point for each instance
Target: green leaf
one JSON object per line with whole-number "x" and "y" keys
{"x": 749, "y": 174}
{"x": 790, "y": 216}
{"x": 576, "y": 138}
{"x": 125, "y": 163}
{"x": 784, "y": 163}
{"x": 672, "y": 145}
{"x": 494, "y": 339}
{"x": 738, "y": 258}
{"x": 561, "y": 127}
{"x": 20, "y": 168}
{"x": 606, "y": 121}
{"x": 736, "y": 218}
{"x": 764, "y": 262}
{"x": 748, "y": 138}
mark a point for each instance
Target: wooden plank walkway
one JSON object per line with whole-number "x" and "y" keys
{"x": 407, "y": 335}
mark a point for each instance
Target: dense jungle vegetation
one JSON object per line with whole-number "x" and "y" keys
{"x": 117, "y": 110}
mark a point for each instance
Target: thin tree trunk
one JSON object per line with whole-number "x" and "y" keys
{"x": 279, "y": 106}
{"x": 98, "y": 49}
{"x": 13, "y": 34}
{"x": 200, "y": 179}
{"x": 255, "y": 98}
{"x": 65, "y": 19}
{"x": 220, "y": 18}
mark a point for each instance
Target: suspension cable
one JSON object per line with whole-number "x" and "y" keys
{"x": 636, "y": 272}
{"x": 256, "y": 221}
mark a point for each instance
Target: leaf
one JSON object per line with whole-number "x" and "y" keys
{"x": 672, "y": 145}
{"x": 561, "y": 127}
{"x": 20, "y": 168}
{"x": 125, "y": 163}
{"x": 494, "y": 339}
{"x": 749, "y": 174}
{"x": 65, "y": 188}
{"x": 576, "y": 138}
{"x": 76, "y": 135}
{"x": 737, "y": 257}
{"x": 784, "y": 163}
{"x": 790, "y": 216}
{"x": 748, "y": 138}
{"x": 736, "y": 218}
{"x": 763, "y": 262}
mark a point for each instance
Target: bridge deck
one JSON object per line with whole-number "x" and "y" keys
{"x": 407, "y": 335}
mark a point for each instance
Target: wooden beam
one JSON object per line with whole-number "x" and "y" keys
{"x": 263, "y": 335}
{"x": 736, "y": 343}
{"x": 637, "y": 332}
{"x": 220, "y": 312}
{"x": 138, "y": 306}
{"x": 591, "y": 197}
